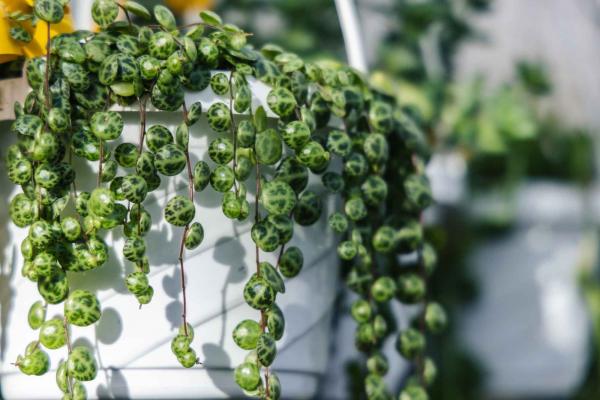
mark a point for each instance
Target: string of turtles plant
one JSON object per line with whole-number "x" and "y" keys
{"x": 372, "y": 161}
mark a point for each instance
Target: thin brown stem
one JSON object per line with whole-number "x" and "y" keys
{"x": 74, "y": 195}
{"x": 233, "y": 130}
{"x": 218, "y": 28}
{"x": 67, "y": 335}
{"x": 100, "y": 162}
{"x": 126, "y": 13}
{"x": 185, "y": 231}
{"x": 142, "y": 106}
{"x": 257, "y": 214}
{"x": 142, "y": 114}
{"x": 48, "y": 104}
{"x": 281, "y": 250}
{"x": 182, "y": 248}
{"x": 139, "y": 219}
{"x": 258, "y": 189}
{"x": 185, "y": 112}
{"x": 69, "y": 350}
{"x": 267, "y": 389}
{"x": 128, "y": 17}
{"x": 188, "y": 161}
{"x": 190, "y": 176}
{"x": 38, "y": 195}
{"x": 73, "y": 184}
{"x": 182, "y": 274}
{"x": 263, "y": 315}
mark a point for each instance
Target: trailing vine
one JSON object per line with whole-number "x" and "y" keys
{"x": 329, "y": 122}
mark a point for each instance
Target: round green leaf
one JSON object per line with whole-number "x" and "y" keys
{"x": 165, "y": 17}
{"x": 211, "y": 18}
{"x": 137, "y": 9}
{"x": 104, "y": 12}
{"x": 51, "y": 11}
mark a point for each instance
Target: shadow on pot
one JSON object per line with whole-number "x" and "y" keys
{"x": 109, "y": 327}
{"x": 6, "y": 294}
{"x": 116, "y": 386}
{"x": 172, "y": 287}
{"x": 167, "y": 252}
{"x": 216, "y": 361}
{"x": 8, "y": 254}
{"x": 237, "y": 273}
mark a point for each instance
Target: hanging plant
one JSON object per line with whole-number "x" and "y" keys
{"x": 366, "y": 149}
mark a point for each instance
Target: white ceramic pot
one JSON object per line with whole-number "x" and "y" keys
{"x": 529, "y": 326}
{"x": 133, "y": 344}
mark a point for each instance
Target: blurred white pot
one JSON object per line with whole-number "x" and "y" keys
{"x": 529, "y": 326}
{"x": 133, "y": 345}
{"x": 447, "y": 174}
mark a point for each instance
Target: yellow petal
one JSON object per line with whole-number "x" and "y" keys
{"x": 16, "y": 5}
{"x": 182, "y": 5}
{"x": 9, "y": 48}
{"x": 37, "y": 46}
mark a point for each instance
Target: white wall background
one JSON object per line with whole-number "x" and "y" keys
{"x": 564, "y": 34}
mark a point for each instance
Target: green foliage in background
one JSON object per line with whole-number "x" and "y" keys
{"x": 307, "y": 27}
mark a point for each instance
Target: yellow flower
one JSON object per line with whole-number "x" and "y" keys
{"x": 183, "y": 5}
{"x": 10, "y": 48}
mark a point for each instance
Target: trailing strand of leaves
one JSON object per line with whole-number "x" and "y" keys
{"x": 377, "y": 176}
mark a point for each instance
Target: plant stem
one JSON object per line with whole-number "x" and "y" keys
{"x": 281, "y": 250}
{"x": 142, "y": 105}
{"x": 233, "y": 130}
{"x": 282, "y": 247}
{"x": 69, "y": 350}
{"x": 185, "y": 230}
{"x": 182, "y": 274}
{"x": 48, "y": 105}
{"x": 218, "y": 28}
{"x": 190, "y": 176}
{"x": 257, "y": 215}
{"x": 126, "y": 13}
{"x": 188, "y": 162}
{"x": 142, "y": 113}
{"x": 263, "y": 316}
{"x": 74, "y": 195}
{"x": 128, "y": 17}
{"x": 100, "y": 160}
{"x": 67, "y": 335}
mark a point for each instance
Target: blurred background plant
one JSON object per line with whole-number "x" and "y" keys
{"x": 309, "y": 28}
{"x": 504, "y": 138}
